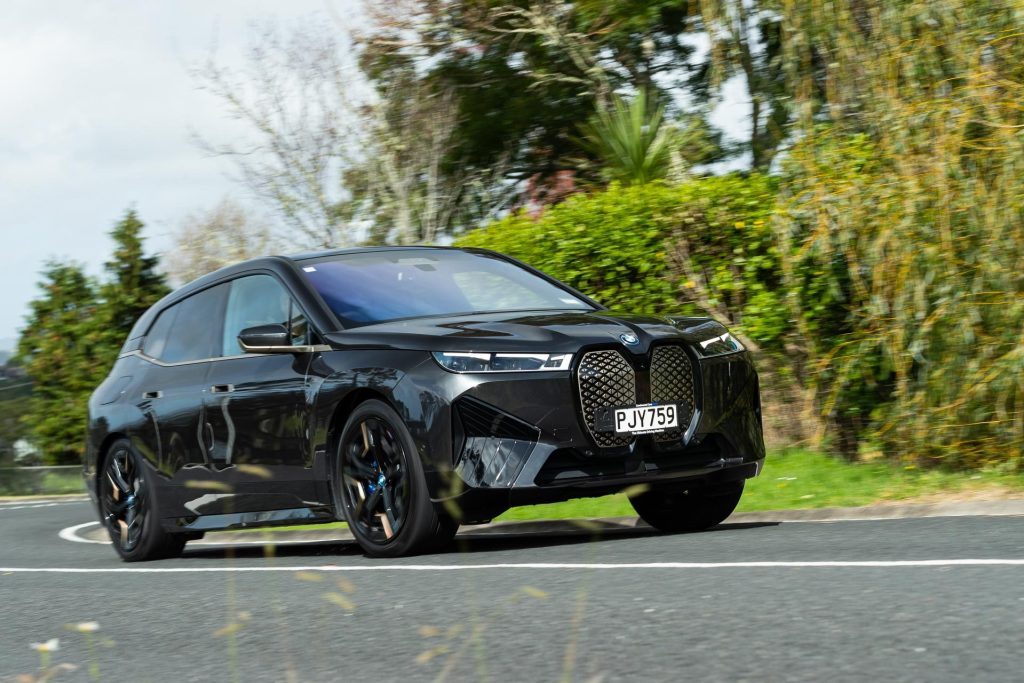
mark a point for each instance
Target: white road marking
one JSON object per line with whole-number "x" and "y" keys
{"x": 71, "y": 534}
{"x": 4, "y": 508}
{"x": 889, "y": 564}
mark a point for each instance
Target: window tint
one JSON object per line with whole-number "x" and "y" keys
{"x": 189, "y": 330}
{"x": 260, "y": 300}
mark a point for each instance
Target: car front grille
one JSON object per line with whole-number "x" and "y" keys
{"x": 607, "y": 379}
{"x": 672, "y": 382}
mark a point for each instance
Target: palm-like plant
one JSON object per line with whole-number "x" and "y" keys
{"x": 630, "y": 139}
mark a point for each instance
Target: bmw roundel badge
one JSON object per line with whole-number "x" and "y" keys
{"x": 629, "y": 338}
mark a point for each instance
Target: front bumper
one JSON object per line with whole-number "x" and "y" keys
{"x": 520, "y": 440}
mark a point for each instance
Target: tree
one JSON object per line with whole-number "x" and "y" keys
{"x": 900, "y": 225}
{"x": 297, "y": 99}
{"x": 73, "y": 334}
{"x": 62, "y": 350}
{"x": 633, "y": 144}
{"x": 133, "y": 282}
{"x": 526, "y": 75}
{"x": 746, "y": 39}
{"x": 15, "y": 393}
{"x": 211, "y": 239}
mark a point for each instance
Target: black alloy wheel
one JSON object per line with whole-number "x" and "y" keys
{"x": 380, "y": 487}
{"x": 683, "y": 510}
{"x": 128, "y": 508}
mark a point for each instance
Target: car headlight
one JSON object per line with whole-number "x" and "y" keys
{"x": 502, "y": 362}
{"x": 719, "y": 346}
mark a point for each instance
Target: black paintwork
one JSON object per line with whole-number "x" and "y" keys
{"x": 247, "y": 440}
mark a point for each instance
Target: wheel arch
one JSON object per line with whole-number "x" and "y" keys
{"x": 103, "y": 450}
{"x": 339, "y": 417}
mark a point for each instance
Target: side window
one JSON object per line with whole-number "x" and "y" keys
{"x": 260, "y": 300}
{"x": 156, "y": 338}
{"x": 189, "y": 330}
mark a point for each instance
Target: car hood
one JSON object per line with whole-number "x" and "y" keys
{"x": 548, "y": 331}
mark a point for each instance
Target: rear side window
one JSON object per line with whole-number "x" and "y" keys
{"x": 188, "y": 330}
{"x": 260, "y": 300}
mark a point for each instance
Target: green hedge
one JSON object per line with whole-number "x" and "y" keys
{"x": 623, "y": 246}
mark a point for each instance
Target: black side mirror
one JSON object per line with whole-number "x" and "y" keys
{"x": 265, "y": 339}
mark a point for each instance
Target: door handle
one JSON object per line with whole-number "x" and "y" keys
{"x": 152, "y": 394}
{"x": 222, "y": 388}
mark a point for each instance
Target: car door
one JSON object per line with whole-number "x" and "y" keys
{"x": 178, "y": 349}
{"x": 256, "y": 406}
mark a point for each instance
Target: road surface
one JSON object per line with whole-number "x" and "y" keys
{"x": 914, "y": 599}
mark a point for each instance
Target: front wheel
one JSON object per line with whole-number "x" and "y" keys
{"x": 380, "y": 486}
{"x": 680, "y": 510}
{"x": 129, "y": 508}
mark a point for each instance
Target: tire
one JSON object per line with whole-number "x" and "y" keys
{"x": 684, "y": 510}
{"x": 130, "y": 508}
{"x": 380, "y": 488}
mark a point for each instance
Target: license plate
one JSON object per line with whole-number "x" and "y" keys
{"x": 645, "y": 419}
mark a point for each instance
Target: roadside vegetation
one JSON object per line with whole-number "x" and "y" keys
{"x": 795, "y": 479}
{"x": 867, "y": 250}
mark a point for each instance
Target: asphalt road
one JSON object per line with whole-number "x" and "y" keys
{"x": 845, "y": 601}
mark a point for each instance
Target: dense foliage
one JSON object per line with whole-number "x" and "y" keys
{"x": 871, "y": 254}
{"x": 881, "y": 268}
{"x": 705, "y": 245}
{"x": 73, "y": 334}
{"x": 902, "y": 224}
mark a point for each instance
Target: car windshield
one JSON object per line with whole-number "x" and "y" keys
{"x": 369, "y": 287}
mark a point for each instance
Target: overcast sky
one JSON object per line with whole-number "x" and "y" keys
{"x": 96, "y": 107}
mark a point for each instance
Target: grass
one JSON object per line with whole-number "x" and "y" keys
{"x": 792, "y": 479}
{"x": 795, "y": 479}
{"x": 16, "y": 481}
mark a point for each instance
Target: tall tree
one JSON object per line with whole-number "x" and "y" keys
{"x": 73, "y": 334}
{"x": 527, "y": 74}
{"x": 747, "y": 40}
{"x": 62, "y": 348}
{"x": 297, "y": 98}
{"x": 133, "y": 280}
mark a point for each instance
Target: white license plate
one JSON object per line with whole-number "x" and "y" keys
{"x": 645, "y": 419}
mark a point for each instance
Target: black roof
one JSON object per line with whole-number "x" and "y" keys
{"x": 282, "y": 265}
{"x": 277, "y": 261}
{"x": 308, "y": 256}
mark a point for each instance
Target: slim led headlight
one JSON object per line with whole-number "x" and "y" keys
{"x": 719, "y": 346}
{"x": 502, "y": 362}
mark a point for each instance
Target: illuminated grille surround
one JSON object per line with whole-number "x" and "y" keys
{"x": 607, "y": 378}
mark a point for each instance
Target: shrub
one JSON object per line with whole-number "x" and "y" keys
{"x": 702, "y": 246}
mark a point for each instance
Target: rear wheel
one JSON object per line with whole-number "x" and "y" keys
{"x": 129, "y": 508}
{"x": 381, "y": 489}
{"x": 679, "y": 510}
